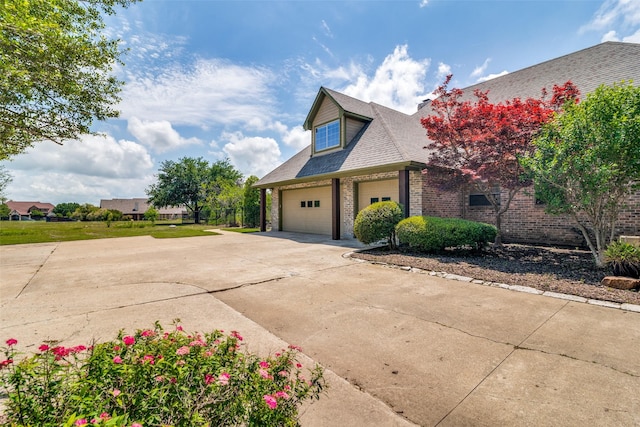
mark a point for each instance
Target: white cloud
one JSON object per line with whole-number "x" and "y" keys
{"x": 616, "y": 17}
{"x": 633, "y": 38}
{"x": 614, "y": 12}
{"x": 326, "y": 29}
{"x": 297, "y": 138}
{"x": 206, "y": 93}
{"x": 397, "y": 83}
{"x": 491, "y": 76}
{"x": 250, "y": 155}
{"x": 478, "y": 71}
{"x": 610, "y": 36}
{"x": 423, "y": 3}
{"x": 82, "y": 171}
{"x": 158, "y": 135}
{"x": 443, "y": 70}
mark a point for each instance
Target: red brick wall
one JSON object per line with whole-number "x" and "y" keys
{"x": 525, "y": 222}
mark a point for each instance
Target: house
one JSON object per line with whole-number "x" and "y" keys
{"x": 19, "y": 211}
{"x": 135, "y": 208}
{"x": 363, "y": 152}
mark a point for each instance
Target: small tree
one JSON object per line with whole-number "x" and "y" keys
{"x": 65, "y": 209}
{"x": 151, "y": 214}
{"x": 587, "y": 162}
{"x": 84, "y": 212}
{"x": 478, "y": 144}
{"x": 37, "y": 214}
{"x": 251, "y": 202}
{"x": 5, "y": 180}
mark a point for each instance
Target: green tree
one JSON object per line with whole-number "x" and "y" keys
{"x": 65, "y": 209}
{"x": 5, "y": 180}
{"x": 190, "y": 182}
{"x": 84, "y": 212}
{"x": 230, "y": 199}
{"x": 587, "y": 162}
{"x": 151, "y": 214}
{"x": 251, "y": 202}
{"x": 55, "y": 71}
{"x": 37, "y": 214}
{"x": 4, "y": 211}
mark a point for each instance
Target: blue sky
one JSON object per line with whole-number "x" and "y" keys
{"x": 236, "y": 79}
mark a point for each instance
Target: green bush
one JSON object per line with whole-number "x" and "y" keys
{"x": 624, "y": 259}
{"x": 433, "y": 234}
{"x": 155, "y": 378}
{"x": 378, "y": 222}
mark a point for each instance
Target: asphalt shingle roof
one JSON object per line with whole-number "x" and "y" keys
{"x": 395, "y": 138}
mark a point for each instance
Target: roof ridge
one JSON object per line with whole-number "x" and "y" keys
{"x": 399, "y": 147}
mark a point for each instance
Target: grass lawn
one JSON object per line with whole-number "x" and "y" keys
{"x": 18, "y": 232}
{"x": 241, "y": 230}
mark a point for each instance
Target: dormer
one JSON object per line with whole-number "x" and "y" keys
{"x": 334, "y": 120}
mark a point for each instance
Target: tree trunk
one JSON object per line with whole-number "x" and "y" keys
{"x": 498, "y": 241}
{"x": 196, "y": 215}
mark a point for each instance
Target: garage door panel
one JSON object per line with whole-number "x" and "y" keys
{"x": 372, "y": 191}
{"x": 307, "y": 210}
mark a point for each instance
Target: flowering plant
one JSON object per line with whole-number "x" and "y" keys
{"x": 156, "y": 378}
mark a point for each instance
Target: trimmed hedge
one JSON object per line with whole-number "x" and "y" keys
{"x": 378, "y": 222}
{"x": 433, "y": 234}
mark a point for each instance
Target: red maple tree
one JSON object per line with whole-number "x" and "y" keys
{"x": 478, "y": 144}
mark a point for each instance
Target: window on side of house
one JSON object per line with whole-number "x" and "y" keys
{"x": 328, "y": 136}
{"x": 479, "y": 199}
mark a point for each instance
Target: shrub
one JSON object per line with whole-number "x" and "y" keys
{"x": 433, "y": 234}
{"x": 624, "y": 259}
{"x": 156, "y": 378}
{"x": 377, "y": 222}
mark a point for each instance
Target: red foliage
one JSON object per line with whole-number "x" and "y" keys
{"x": 480, "y": 142}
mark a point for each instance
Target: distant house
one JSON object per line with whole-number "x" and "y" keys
{"x": 135, "y": 208}
{"x": 362, "y": 152}
{"x": 20, "y": 211}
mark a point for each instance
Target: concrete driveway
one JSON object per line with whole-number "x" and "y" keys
{"x": 400, "y": 348}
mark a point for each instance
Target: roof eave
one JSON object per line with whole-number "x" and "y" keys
{"x": 410, "y": 165}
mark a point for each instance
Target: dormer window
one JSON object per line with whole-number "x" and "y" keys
{"x": 328, "y": 136}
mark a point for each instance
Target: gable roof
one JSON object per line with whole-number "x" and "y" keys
{"x": 23, "y": 208}
{"x": 392, "y": 140}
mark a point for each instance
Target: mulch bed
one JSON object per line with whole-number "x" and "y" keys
{"x": 568, "y": 271}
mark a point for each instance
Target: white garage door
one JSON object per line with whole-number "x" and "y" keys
{"x": 307, "y": 210}
{"x": 377, "y": 191}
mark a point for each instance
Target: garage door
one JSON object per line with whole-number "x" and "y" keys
{"x": 307, "y": 210}
{"x": 377, "y": 191}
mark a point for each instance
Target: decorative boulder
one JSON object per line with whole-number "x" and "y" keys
{"x": 618, "y": 282}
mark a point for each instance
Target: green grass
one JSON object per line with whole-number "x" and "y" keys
{"x": 242, "y": 230}
{"x": 18, "y": 232}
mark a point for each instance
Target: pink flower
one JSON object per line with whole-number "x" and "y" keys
{"x": 295, "y": 347}
{"x": 115, "y": 392}
{"x": 223, "y": 379}
{"x": 81, "y": 422}
{"x": 77, "y": 349}
{"x": 198, "y": 343}
{"x": 179, "y": 328}
{"x": 282, "y": 395}
{"x": 283, "y": 373}
{"x": 159, "y": 378}
{"x": 117, "y": 360}
{"x": 6, "y": 363}
{"x": 298, "y": 365}
{"x": 183, "y": 350}
{"x": 12, "y": 341}
{"x": 264, "y": 374}
{"x": 116, "y": 348}
{"x": 136, "y": 425}
{"x": 43, "y": 348}
{"x": 264, "y": 364}
{"x": 208, "y": 379}
{"x": 149, "y": 358}
{"x": 271, "y": 401}
{"x": 128, "y": 340}
{"x": 235, "y": 334}
{"x": 105, "y": 416}
{"x": 147, "y": 333}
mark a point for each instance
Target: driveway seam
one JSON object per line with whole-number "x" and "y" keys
{"x": 515, "y": 347}
{"x": 37, "y": 271}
